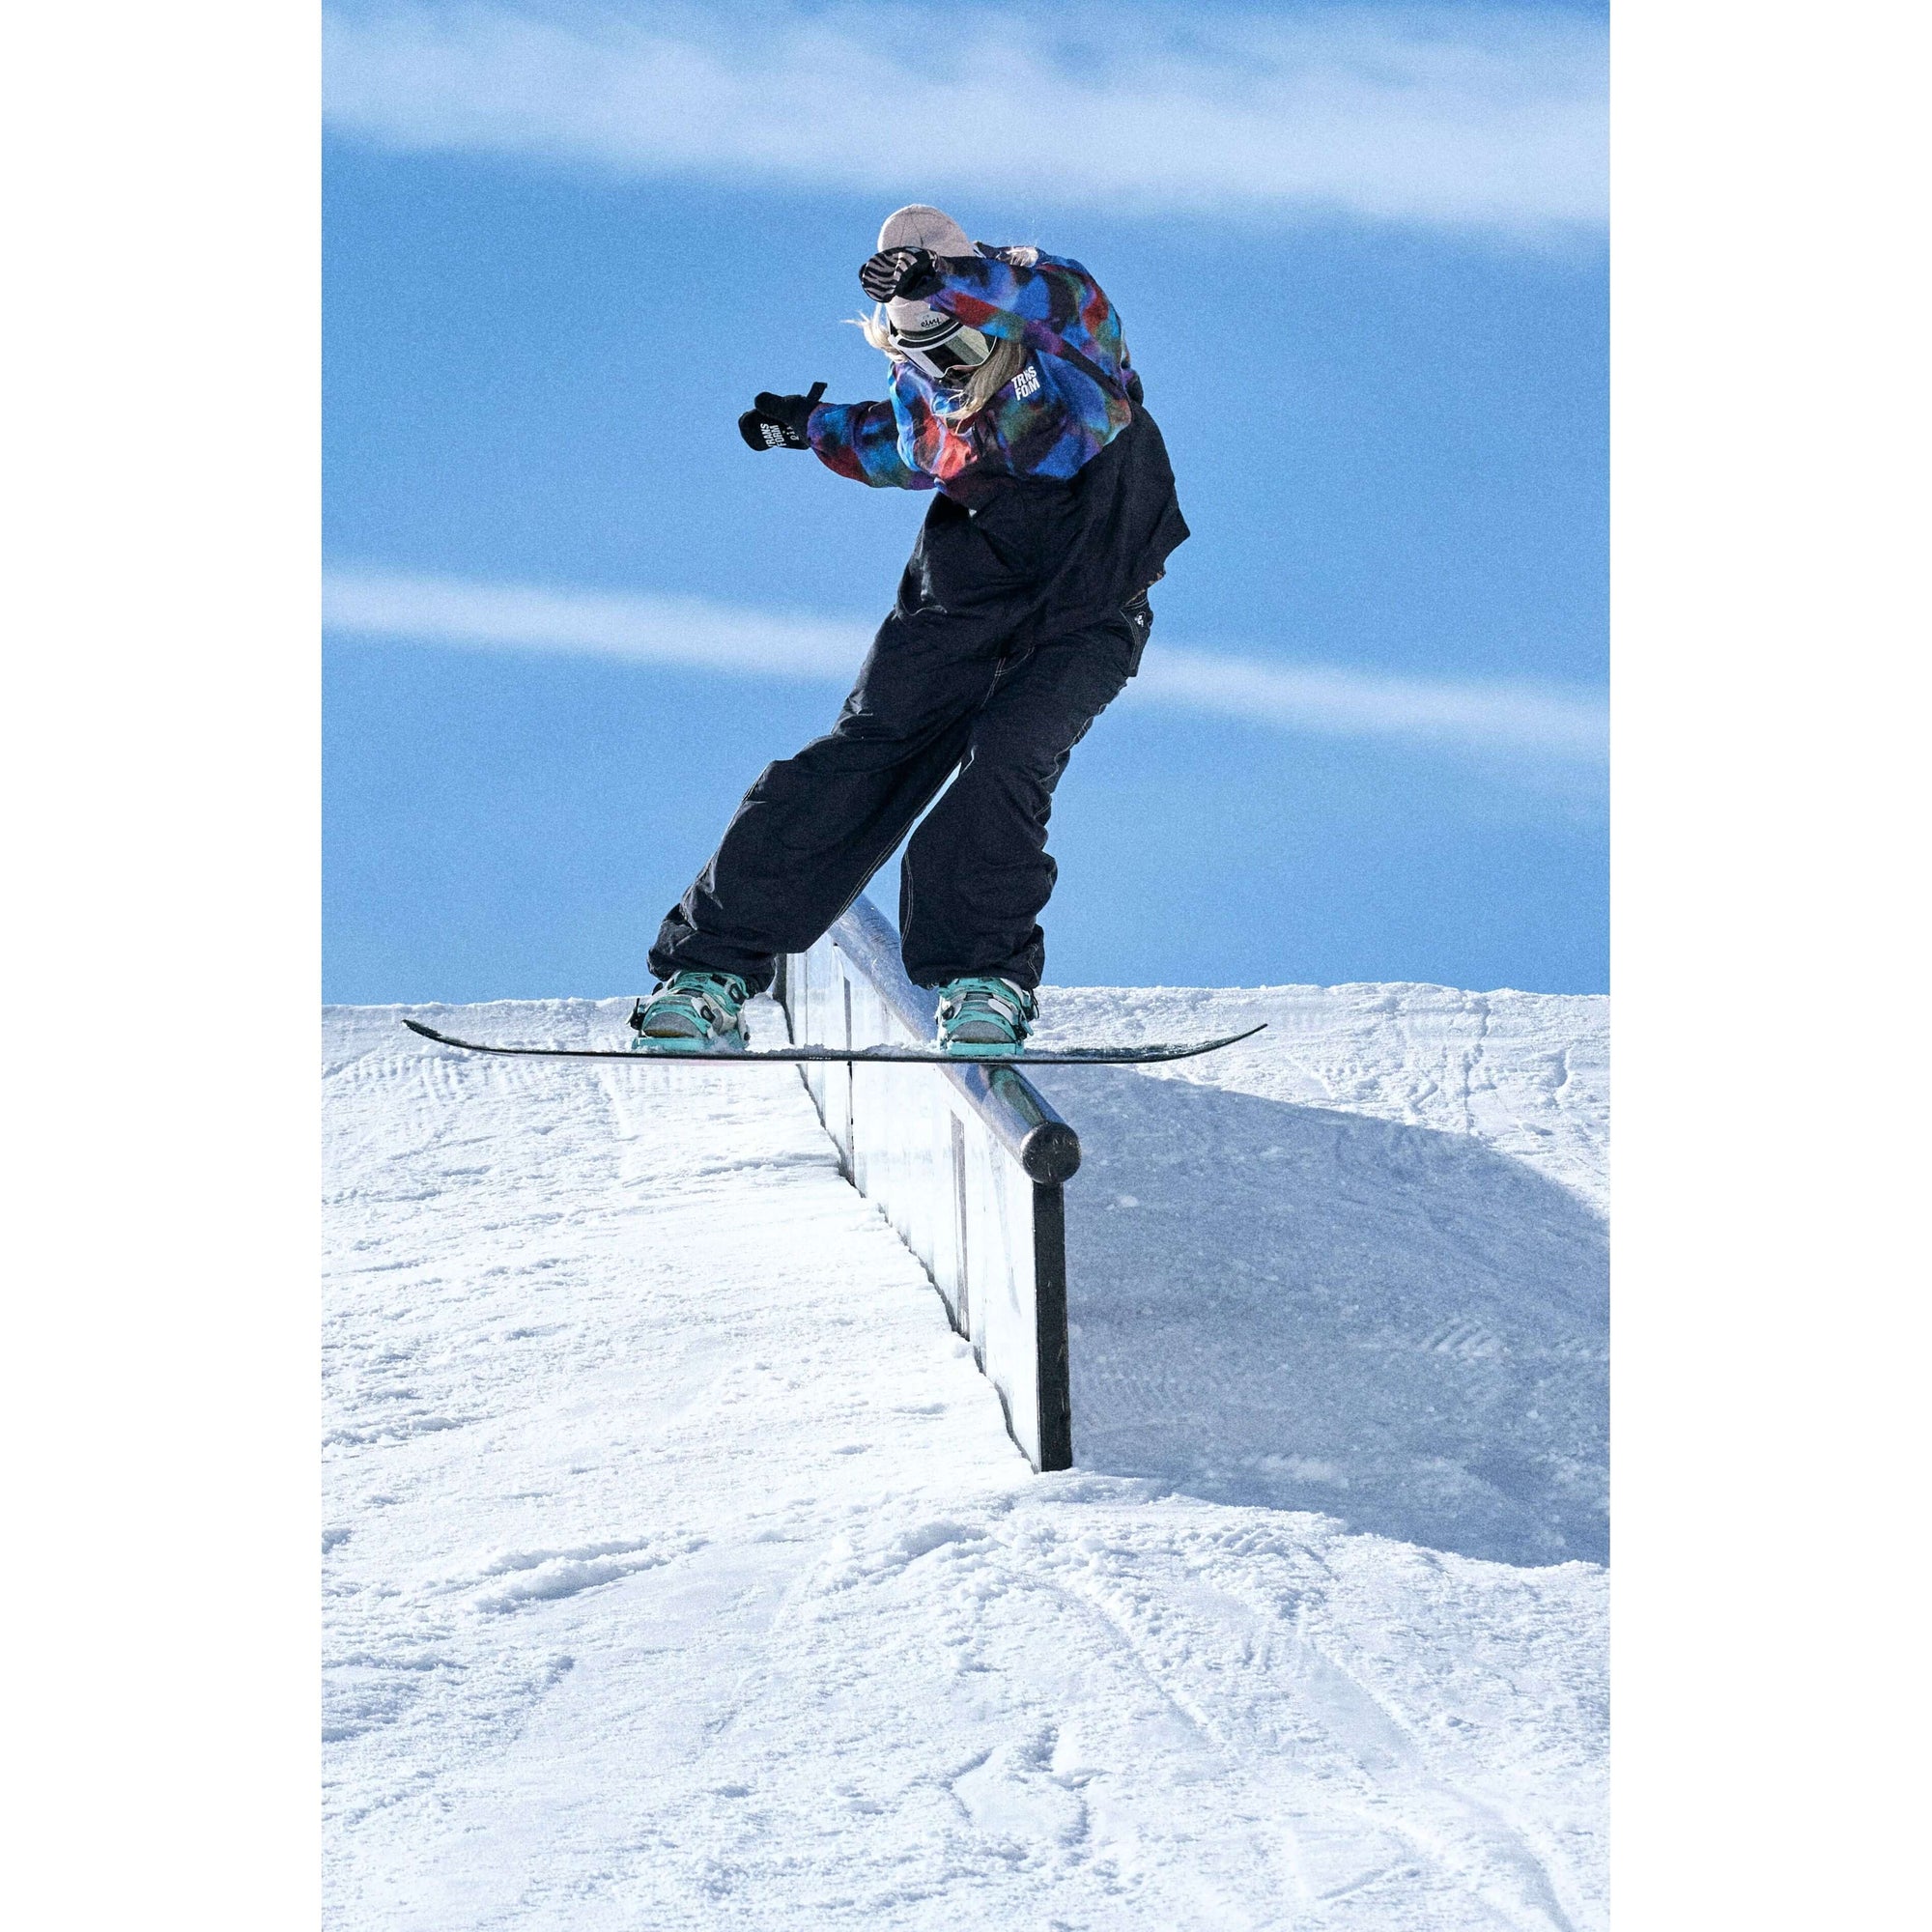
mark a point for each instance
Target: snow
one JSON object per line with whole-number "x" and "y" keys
{"x": 1362, "y": 1259}
{"x": 680, "y": 1573}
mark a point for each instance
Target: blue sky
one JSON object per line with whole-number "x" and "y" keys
{"x": 1360, "y": 258}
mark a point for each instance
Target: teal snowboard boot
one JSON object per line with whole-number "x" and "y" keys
{"x": 692, "y": 1012}
{"x": 982, "y": 1015}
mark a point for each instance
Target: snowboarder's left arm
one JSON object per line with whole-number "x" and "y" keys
{"x": 1046, "y": 301}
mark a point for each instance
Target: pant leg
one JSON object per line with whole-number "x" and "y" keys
{"x": 977, "y": 873}
{"x": 815, "y": 828}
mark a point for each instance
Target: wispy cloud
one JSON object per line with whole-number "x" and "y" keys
{"x": 1459, "y": 115}
{"x": 1487, "y": 716}
{"x": 1498, "y": 719}
{"x": 589, "y": 623}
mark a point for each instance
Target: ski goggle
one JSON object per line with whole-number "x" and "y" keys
{"x": 945, "y": 347}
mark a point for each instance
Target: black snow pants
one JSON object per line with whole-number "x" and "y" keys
{"x": 933, "y": 702}
{"x": 1020, "y": 616}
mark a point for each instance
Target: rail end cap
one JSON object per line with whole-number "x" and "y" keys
{"x": 1051, "y": 1152}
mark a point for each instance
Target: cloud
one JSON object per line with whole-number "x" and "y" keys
{"x": 1328, "y": 702}
{"x": 1513, "y": 721}
{"x": 1466, "y": 116}
{"x": 588, "y": 623}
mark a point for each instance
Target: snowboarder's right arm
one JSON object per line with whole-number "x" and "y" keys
{"x": 861, "y": 441}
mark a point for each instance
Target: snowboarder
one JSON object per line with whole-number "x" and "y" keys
{"x": 1020, "y": 616}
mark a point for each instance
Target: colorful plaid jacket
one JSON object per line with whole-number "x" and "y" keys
{"x": 1049, "y": 420}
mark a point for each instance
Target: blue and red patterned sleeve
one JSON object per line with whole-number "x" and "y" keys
{"x": 1053, "y": 305}
{"x": 861, "y": 441}
{"x": 1057, "y": 413}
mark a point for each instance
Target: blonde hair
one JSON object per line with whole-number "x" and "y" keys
{"x": 981, "y": 387}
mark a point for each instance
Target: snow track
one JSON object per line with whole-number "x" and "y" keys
{"x": 680, "y": 1573}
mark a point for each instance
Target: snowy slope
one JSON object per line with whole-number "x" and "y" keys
{"x": 680, "y": 1573}
{"x": 1358, "y": 1264}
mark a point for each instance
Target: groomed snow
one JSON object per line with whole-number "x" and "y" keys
{"x": 1357, "y": 1264}
{"x": 680, "y": 1573}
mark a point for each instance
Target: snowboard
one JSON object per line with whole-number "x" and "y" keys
{"x": 871, "y": 1055}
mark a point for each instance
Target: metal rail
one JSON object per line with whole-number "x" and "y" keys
{"x": 966, "y": 1162}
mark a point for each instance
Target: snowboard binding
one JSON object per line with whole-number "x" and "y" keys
{"x": 692, "y": 1012}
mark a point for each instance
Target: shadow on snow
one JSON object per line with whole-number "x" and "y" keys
{"x": 1307, "y": 1309}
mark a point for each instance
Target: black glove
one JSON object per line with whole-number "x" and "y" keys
{"x": 778, "y": 422}
{"x": 911, "y": 273}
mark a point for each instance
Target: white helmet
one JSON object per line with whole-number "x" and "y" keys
{"x": 940, "y": 344}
